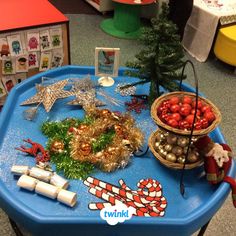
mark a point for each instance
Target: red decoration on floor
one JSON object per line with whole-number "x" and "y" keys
{"x": 37, "y": 150}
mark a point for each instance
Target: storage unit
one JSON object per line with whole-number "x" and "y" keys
{"x": 34, "y": 37}
{"x": 101, "y": 5}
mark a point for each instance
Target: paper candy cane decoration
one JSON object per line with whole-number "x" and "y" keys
{"x": 144, "y": 203}
{"x": 67, "y": 197}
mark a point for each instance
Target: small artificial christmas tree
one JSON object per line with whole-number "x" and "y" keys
{"x": 162, "y": 57}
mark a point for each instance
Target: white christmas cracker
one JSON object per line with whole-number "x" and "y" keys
{"x": 67, "y": 197}
{"x": 27, "y": 182}
{"x": 41, "y": 174}
{"x": 20, "y": 170}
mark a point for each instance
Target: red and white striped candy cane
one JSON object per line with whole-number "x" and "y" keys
{"x": 145, "y": 203}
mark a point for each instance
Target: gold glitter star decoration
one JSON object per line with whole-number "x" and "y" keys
{"x": 86, "y": 98}
{"x": 49, "y": 94}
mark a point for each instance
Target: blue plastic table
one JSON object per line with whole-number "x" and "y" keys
{"x": 42, "y": 216}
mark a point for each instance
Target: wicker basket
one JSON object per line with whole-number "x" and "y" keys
{"x": 180, "y": 94}
{"x": 172, "y": 165}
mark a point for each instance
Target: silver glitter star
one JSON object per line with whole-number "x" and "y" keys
{"x": 49, "y": 94}
{"x": 86, "y": 98}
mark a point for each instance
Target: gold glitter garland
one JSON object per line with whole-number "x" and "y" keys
{"x": 126, "y": 140}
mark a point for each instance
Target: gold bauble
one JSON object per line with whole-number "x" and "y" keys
{"x": 181, "y": 159}
{"x": 57, "y": 146}
{"x": 118, "y": 129}
{"x": 168, "y": 147}
{"x": 85, "y": 148}
{"x": 162, "y": 152}
{"x": 82, "y": 127}
{"x": 171, "y": 139}
{"x": 156, "y": 145}
{"x": 159, "y": 136}
{"x": 111, "y": 150}
{"x": 177, "y": 150}
{"x": 105, "y": 112}
{"x": 171, "y": 157}
{"x": 193, "y": 157}
{"x": 182, "y": 142}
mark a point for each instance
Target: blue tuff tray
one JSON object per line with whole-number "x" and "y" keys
{"x": 43, "y": 216}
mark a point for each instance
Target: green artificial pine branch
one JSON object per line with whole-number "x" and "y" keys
{"x": 55, "y": 131}
{"x": 161, "y": 59}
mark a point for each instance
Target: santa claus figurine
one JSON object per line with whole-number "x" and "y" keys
{"x": 217, "y": 162}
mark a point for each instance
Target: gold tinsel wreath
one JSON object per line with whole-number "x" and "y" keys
{"x": 127, "y": 139}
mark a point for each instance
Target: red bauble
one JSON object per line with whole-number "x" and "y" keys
{"x": 176, "y": 116}
{"x": 199, "y": 104}
{"x": 174, "y": 100}
{"x": 185, "y": 110}
{"x": 210, "y": 116}
{"x": 198, "y": 125}
{"x": 204, "y": 123}
{"x": 166, "y": 103}
{"x": 175, "y": 108}
{"x": 173, "y": 123}
{"x": 162, "y": 110}
{"x": 190, "y": 119}
{"x": 183, "y": 124}
{"x": 206, "y": 108}
{"x": 198, "y": 112}
{"x": 187, "y": 99}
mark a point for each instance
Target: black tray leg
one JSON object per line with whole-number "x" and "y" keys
{"x": 203, "y": 229}
{"x": 15, "y": 227}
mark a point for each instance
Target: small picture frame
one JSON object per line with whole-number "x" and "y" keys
{"x": 22, "y": 63}
{"x": 19, "y": 77}
{"x": 57, "y": 58}
{"x": 2, "y": 90}
{"x": 33, "y": 60}
{"x": 106, "y": 65}
{"x": 8, "y": 65}
{"x": 45, "y": 61}
{"x": 15, "y": 45}
{"x": 33, "y": 41}
{"x": 45, "y": 40}
{"x": 8, "y": 82}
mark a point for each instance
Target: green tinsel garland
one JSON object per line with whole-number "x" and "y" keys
{"x": 71, "y": 168}
{"x": 103, "y": 141}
